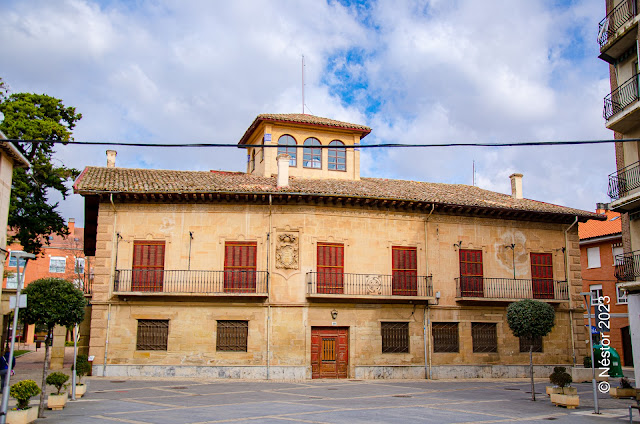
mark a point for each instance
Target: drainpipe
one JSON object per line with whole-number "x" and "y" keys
{"x": 111, "y": 279}
{"x": 268, "y": 292}
{"x": 425, "y": 320}
{"x": 566, "y": 271}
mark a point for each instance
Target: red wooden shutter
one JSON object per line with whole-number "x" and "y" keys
{"x": 404, "y": 269}
{"x": 471, "y": 277}
{"x": 148, "y": 265}
{"x": 240, "y": 266}
{"x": 330, "y": 268}
{"x": 542, "y": 276}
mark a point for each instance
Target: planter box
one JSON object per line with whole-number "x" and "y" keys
{"x": 561, "y": 390}
{"x": 81, "y": 389}
{"x": 583, "y": 375}
{"x": 617, "y": 392}
{"x": 57, "y": 402}
{"x": 570, "y": 401}
{"x": 22, "y": 416}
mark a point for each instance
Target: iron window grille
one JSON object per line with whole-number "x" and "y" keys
{"x": 485, "y": 337}
{"x": 445, "y": 337}
{"x": 527, "y": 341}
{"x": 232, "y": 336}
{"x": 395, "y": 337}
{"x": 152, "y": 334}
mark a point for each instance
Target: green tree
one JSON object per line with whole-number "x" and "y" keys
{"x": 40, "y": 120}
{"x": 51, "y": 302}
{"x": 531, "y": 319}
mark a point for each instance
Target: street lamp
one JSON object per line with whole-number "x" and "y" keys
{"x": 5, "y": 390}
{"x": 587, "y": 301}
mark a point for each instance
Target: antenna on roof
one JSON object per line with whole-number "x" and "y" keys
{"x": 303, "y": 84}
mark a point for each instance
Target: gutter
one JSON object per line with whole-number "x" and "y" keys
{"x": 566, "y": 271}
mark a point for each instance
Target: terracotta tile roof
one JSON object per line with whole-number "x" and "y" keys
{"x": 97, "y": 180}
{"x": 299, "y": 118}
{"x": 593, "y": 228}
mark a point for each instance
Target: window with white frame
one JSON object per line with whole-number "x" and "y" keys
{"x": 57, "y": 264}
{"x": 79, "y": 267}
{"x": 596, "y": 293}
{"x": 13, "y": 260}
{"x": 621, "y": 294}
{"x": 12, "y": 280}
{"x": 617, "y": 250}
{"x": 593, "y": 257}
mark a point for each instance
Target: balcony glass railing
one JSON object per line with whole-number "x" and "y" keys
{"x": 624, "y": 180}
{"x": 190, "y": 282}
{"x": 511, "y": 288}
{"x": 621, "y": 97}
{"x": 337, "y": 283}
{"x": 620, "y": 15}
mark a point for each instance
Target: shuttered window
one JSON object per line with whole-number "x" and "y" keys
{"x": 240, "y": 266}
{"x": 232, "y": 336}
{"x": 330, "y": 268}
{"x": 445, "y": 337}
{"x": 148, "y": 265}
{"x": 471, "y": 276}
{"x": 404, "y": 268}
{"x": 152, "y": 334}
{"x": 395, "y": 337}
{"x": 484, "y": 336}
{"x": 526, "y": 341}
{"x": 542, "y": 275}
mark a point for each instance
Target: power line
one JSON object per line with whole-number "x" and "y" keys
{"x": 359, "y": 146}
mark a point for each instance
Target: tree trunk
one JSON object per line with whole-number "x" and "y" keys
{"x": 533, "y": 388}
{"x": 45, "y": 368}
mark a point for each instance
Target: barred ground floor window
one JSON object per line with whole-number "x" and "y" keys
{"x": 395, "y": 337}
{"x": 232, "y": 336}
{"x": 445, "y": 337}
{"x": 485, "y": 337}
{"x": 152, "y": 334}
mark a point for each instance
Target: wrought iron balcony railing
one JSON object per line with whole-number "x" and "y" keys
{"x": 510, "y": 288}
{"x": 341, "y": 284}
{"x": 621, "y": 97}
{"x": 143, "y": 281}
{"x": 624, "y": 180}
{"x": 620, "y": 15}
{"x": 628, "y": 266}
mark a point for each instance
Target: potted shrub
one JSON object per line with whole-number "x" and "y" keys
{"x": 586, "y": 362}
{"x": 22, "y": 392}
{"x": 82, "y": 369}
{"x": 57, "y": 401}
{"x": 625, "y": 390}
{"x": 568, "y": 397}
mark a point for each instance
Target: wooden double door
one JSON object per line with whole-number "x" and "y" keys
{"x": 329, "y": 352}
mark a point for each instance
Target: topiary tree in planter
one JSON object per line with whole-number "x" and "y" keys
{"x": 82, "y": 366}
{"x": 560, "y": 377}
{"x": 23, "y": 391}
{"x": 57, "y": 380}
{"x": 531, "y": 319}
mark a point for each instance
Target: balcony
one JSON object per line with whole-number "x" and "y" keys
{"x": 152, "y": 282}
{"x": 628, "y": 266}
{"x": 369, "y": 287}
{"x": 510, "y": 289}
{"x": 624, "y": 188}
{"x": 617, "y": 31}
{"x": 621, "y": 108}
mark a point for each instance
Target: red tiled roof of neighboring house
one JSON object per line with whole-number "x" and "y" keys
{"x": 300, "y": 118}
{"x": 593, "y": 228}
{"x": 100, "y": 180}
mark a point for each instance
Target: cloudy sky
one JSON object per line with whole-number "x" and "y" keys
{"x": 429, "y": 71}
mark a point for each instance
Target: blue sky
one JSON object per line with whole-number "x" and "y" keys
{"x": 415, "y": 71}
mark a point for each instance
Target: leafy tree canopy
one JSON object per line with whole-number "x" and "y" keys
{"x": 37, "y": 117}
{"x": 53, "y": 301}
{"x": 530, "y": 318}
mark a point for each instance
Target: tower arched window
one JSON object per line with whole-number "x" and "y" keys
{"x": 337, "y": 157}
{"x": 312, "y": 156}
{"x": 287, "y": 144}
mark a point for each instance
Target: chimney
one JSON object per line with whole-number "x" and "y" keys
{"x": 111, "y": 158}
{"x": 71, "y": 225}
{"x": 516, "y": 186}
{"x": 283, "y": 170}
{"x": 602, "y": 207}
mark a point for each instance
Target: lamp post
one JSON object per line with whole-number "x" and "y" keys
{"x": 587, "y": 301}
{"x": 5, "y": 390}
{"x": 512, "y": 246}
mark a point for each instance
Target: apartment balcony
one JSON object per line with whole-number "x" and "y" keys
{"x": 621, "y": 106}
{"x": 628, "y": 266}
{"x": 617, "y": 31}
{"x": 510, "y": 289}
{"x": 399, "y": 288}
{"x": 189, "y": 283}
{"x": 624, "y": 188}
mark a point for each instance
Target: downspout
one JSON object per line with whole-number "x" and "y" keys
{"x": 268, "y": 293}
{"x": 425, "y": 320}
{"x": 566, "y": 272}
{"x": 111, "y": 279}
